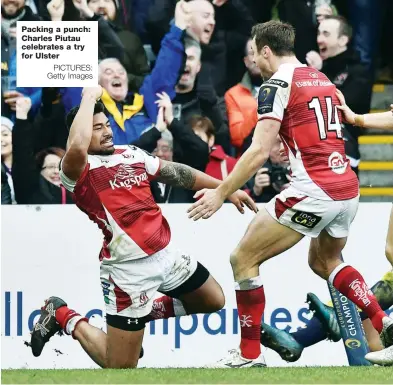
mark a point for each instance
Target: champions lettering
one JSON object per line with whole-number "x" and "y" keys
{"x": 19, "y": 319}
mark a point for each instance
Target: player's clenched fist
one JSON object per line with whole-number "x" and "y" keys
{"x": 92, "y": 92}
{"x": 23, "y": 105}
{"x": 56, "y": 9}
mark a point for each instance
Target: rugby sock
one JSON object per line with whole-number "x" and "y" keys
{"x": 68, "y": 319}
{"x": 311, "y": 334}
{"x": 166, "y": 307}
{"x": 250, "y": 298}
{"x": 349, "y": 281}
{"x": 383, "y": 291}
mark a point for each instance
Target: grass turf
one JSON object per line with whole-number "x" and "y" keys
{"x": 314, "y": 375}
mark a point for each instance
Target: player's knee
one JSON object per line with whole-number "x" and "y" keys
{"x": 389, "y": 252}
{"x": 121, "y": 364}
{"x": 216, "y": 300}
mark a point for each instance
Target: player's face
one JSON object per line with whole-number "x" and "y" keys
{"x": 329, "y": 42}
{"x": 163, "y": 150}
{"x": 105, "y": 8}
{"x": 202, "y": 20}
{"x": 6, "y": 141}
{"x": 113, "y": 77}
{"x": 11, "y": 7}
{"x": 102, "y": 138}
{"x": 50, "y": 169}
{"x": 191, "y": 69}
{"x": 262, "y": 62}
{"x": 252, "y": 68}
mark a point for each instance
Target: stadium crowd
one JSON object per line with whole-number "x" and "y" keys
{"x": 179, "y": 82}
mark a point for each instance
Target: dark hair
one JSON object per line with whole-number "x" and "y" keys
{"x": 278, "y": 36}
{"x": 203, "y": 123}
{"x": 344, "y": 28}
{"x": 40, "y": 157}
{"x": 98, "y": 108}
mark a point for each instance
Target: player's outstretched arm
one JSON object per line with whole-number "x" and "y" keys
{"x": 381, "y": 120}
{"x": 180, "y": 175}
{"x": 75, "y": 159}
{"x": 257, "y": 154}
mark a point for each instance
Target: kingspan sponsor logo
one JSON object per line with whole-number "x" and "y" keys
{"x": 127, "y": 177}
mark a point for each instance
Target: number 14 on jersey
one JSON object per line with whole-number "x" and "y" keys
{"x": 332, "y": 122}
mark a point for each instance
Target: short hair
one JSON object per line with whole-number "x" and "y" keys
{"x": 344, "y": 28}
{"x": 190, "y": 42}
{"x": 204, "y": 123}
{"x": 278, "y": 36}
{"x": 98, "y": 108}
{"x": 168, "y": 137}
{"x": 40, "y": 157}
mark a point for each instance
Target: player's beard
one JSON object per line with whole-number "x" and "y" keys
{"x": 103, "y": 151}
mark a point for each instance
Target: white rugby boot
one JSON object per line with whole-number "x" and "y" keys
{"x": 383, "y": 357}
{"x": 234, "y": 359}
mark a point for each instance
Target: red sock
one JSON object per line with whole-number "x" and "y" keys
{"x": 163, "y": 308}
{"x": 250, "y": 306}
{"x": 64, "y": 314}
{"x": 349, "y": 281}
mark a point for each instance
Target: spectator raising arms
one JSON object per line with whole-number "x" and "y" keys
{"x": 36, "y": 180}
{"x": 7, "y": 187}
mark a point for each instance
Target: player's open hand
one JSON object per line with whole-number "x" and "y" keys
{"x": 240, "y": 198}
{"x": 348, "y": 114}
{"x": 210, "y": 201}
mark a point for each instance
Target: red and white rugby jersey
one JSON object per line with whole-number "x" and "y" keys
{"x": 304, "y": 101}
{"x": 114, "y": 191}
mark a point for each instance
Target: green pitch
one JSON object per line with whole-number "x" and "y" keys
{"x": 315, "y": 375}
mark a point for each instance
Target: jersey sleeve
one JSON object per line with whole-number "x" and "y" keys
{"x": 68, "y": 183}
{"x": 152, "y": 163}
{"x": 273, "y": 99}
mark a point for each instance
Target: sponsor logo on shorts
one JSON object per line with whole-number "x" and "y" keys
{"x": 352, "y": 343}
{"x": 306, "y": 219}
{"x": 337, "y": 163}
{"x": 105, "y": 290}
{"x": 126, "y": 177}
{"x": 143, "y": 299}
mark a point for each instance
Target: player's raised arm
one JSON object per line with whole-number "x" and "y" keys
{"x": 381, "y": 120}
{"x": 75, "y": 159}
{"x": 180, "y": 175}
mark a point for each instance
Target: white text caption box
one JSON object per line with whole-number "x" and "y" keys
{"x": 57, "y": 54}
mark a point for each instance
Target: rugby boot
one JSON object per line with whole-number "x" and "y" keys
{"x": 234, "y": 360}
{"x": 326, "y": 316}
{"x": 281, "y": 342}
{"x": 46, "y": 326}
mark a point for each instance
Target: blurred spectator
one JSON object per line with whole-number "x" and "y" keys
{"x": 7, "y": 186}
{"x": 300, "y": 13}
{"x": 11, "y": 12}
{"x": 134, "y": 56}
{"x": 241, "y": 101}
{"x": 178, "y": 142}
{"x": 221, "y": 30}
{"x": 36, "y": 179}
{"x": 109, "y": 44}
{"x": 343, "y": 67}
{"x": 189, "y": 101}
{"x": 220, "y": 164}
{"x": 131, "y": 113}
{"x": 272, "y": 177}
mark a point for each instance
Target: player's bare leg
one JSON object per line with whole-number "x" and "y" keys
{"x": 116, "y": 349}
{"x": 265, "y": 238}
{"x": 325, "y": 261}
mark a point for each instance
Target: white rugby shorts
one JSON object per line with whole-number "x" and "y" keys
{"x": 309, "y": 216}
{"x": 129, "y": 287}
